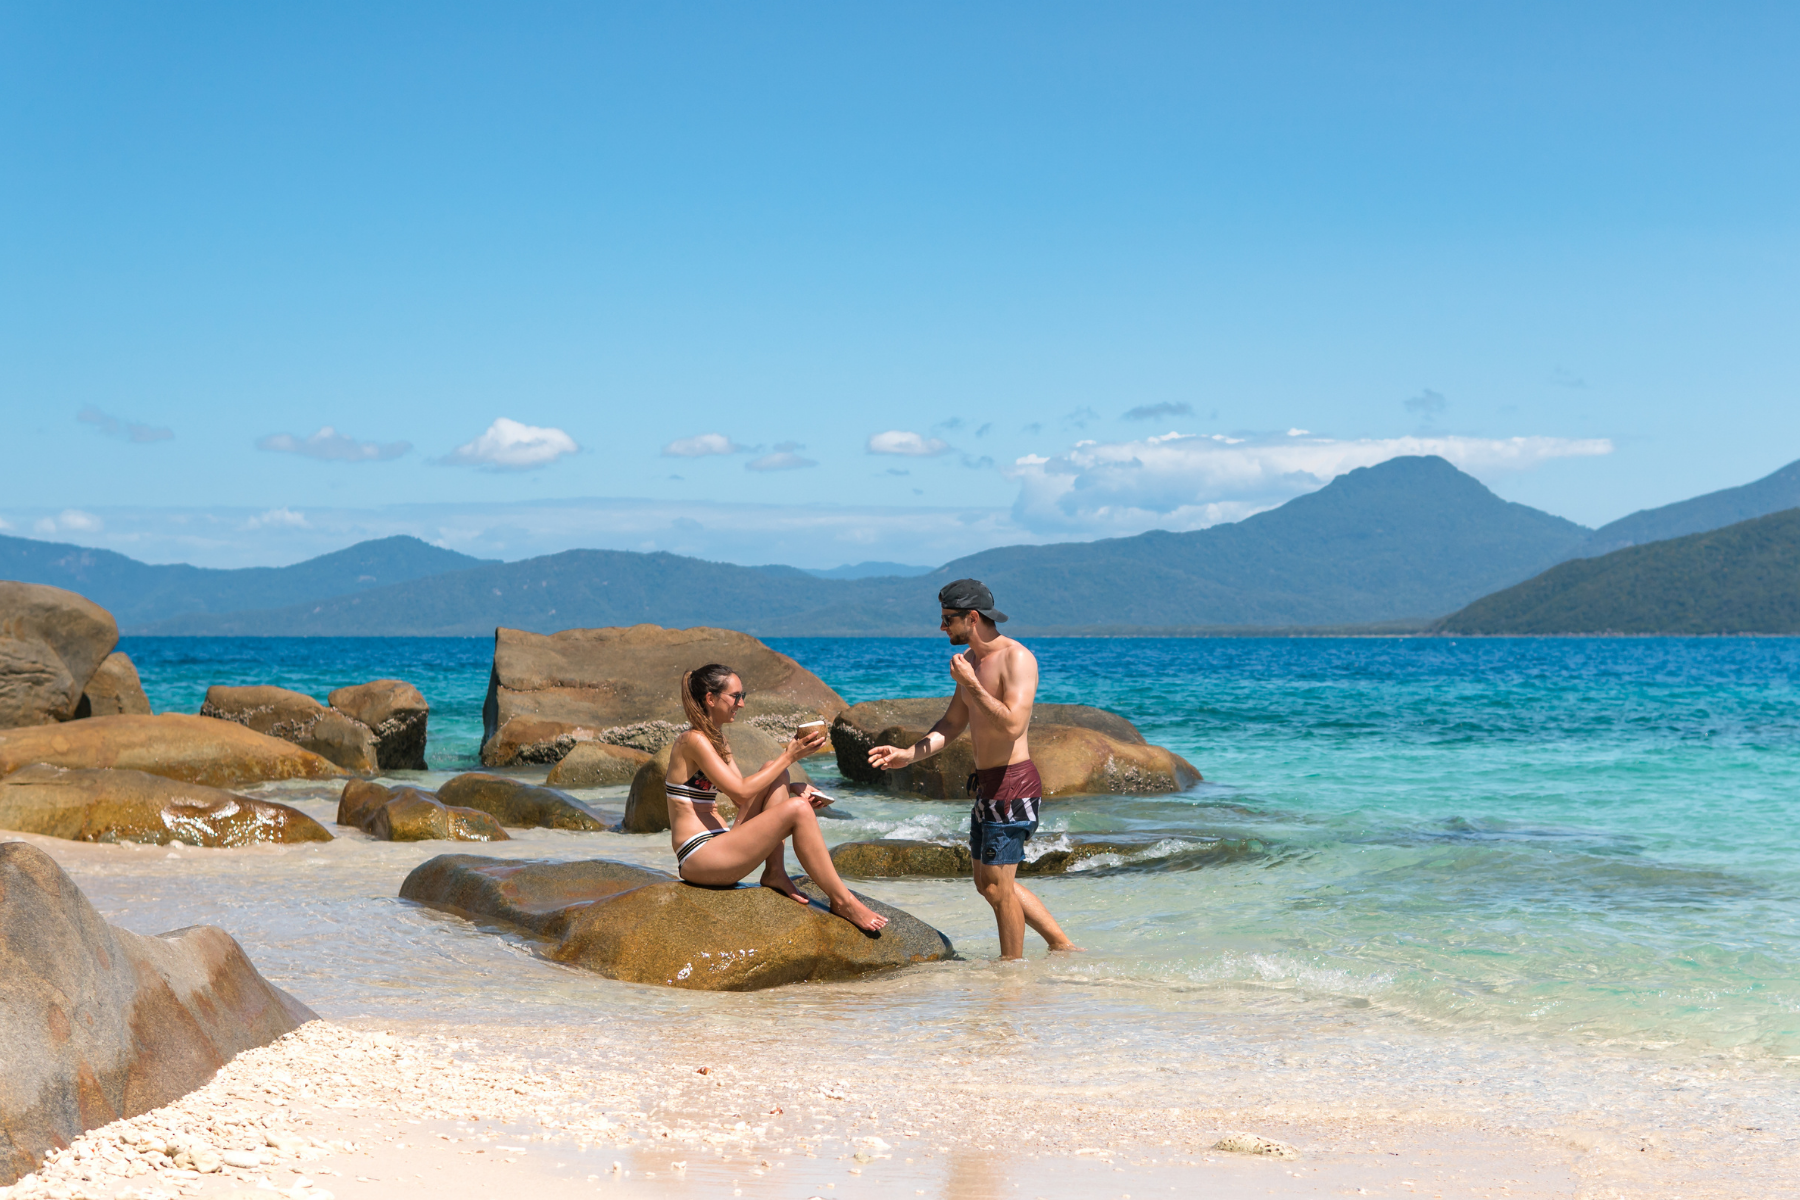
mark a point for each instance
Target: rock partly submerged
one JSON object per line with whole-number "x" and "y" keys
{"x": 898, "y": 858}
{"x": 1071, "y": 761}
{"x": 1078, "y": 750}
{"x": 396, "y": 713}
{"x": 642, "y": 926}
{"x": 409, "y": 814}
{"x": 548, "y": 693}
{"x": 855, "y": 731}
{"x": 132, "y": 806}
{"x": 519, "y": 805}
{"x": 100, "y": 1023}
{"x": 647, "y": 808}
{"x": 51, "y": 643}
{"x": 597, "y": 764}
{"x": 191, "y": 749}
{"x": 298, "y": 718}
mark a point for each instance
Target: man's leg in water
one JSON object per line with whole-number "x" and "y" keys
{"x": 1039, "y": 918}
{"x": 1015, "y": 907}
{"x": 998, "y": 887}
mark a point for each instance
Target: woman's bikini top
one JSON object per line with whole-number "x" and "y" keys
{"x": 697, "y": 790}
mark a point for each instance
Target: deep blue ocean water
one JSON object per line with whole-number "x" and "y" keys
{"x": 1580, "y": 838}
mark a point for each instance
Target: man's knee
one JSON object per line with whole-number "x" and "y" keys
{"x": 995, "y": 887}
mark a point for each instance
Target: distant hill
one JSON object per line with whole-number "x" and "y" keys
{"x": 1715, "y": 510}
{"x": 140, "y": 593}
{"x": 1744, "y": 578}
{"x": 869, "y": 570}
{"x": 1408, "y": 539}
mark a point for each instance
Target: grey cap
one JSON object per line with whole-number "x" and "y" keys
{"x": 970, "y": 593}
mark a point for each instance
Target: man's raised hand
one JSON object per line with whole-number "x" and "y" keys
{"x": 963, "y": 671}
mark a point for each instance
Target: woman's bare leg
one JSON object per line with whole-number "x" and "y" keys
{"x": 775, "y": 874}
{"x": 733, "y": 854}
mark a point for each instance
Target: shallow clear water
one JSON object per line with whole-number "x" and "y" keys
{"x": 1510, "y": 843}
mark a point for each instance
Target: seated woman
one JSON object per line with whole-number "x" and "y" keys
{"x": 771, "y": 809}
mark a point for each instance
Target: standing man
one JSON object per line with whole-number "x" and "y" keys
{"x": 996, "y": 684}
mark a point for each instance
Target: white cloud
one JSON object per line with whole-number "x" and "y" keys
{"x": 701, "y": 445}
{"x": 285, "y": 518}
{"x": 70, "y": 520}
{"x": 117, "y": 427}
{"x": 509, "y": 445}
{"x": 901, "y": 441}
{"x": 1182, "y": 481}
{"x": 784, "y": 459}
{"x": 328, "y": 445}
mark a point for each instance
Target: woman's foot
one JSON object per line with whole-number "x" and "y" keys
{"x": 778, "y": 881}
{"x": 858, "y": 914}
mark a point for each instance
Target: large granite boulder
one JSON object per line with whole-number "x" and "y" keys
{"x": 191, "y": 749}
{"x": 518, "y": 804}
{"x": 611, "y": 919}
{"x": 408, "y": 814}
{"x": 51, "y": 643}
{"x": 396, "y": 713}
{"x": 547, "y": 693}
{"x": 536, "y": 896}
{"x": 597, "y": 764}
{"x": 114, "y": 690}
{"x": 1071, "y": 761}
{"x": 298, "y": 718}
{"x": 896, "y": 858}
{"x": 855, "y": 731}
{"x": 132, "y": 806}
{"x": 99, "y": 1023}
{"x": 647, "y": 808}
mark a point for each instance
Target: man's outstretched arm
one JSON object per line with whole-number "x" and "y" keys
{"x": 948, "y": 728}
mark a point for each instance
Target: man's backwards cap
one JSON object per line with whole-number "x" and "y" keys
{"x": 970, "y": 593}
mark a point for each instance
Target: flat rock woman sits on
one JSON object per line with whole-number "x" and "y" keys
{"x": 771, "y": 809}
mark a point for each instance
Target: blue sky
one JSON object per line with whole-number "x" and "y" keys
{"x": 820, "y": 283}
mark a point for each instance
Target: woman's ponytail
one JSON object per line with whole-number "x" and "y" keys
{"x": 695, "y": 687}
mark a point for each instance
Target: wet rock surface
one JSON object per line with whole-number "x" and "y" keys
{"x": 298, "y": 718}
{"x": 396, "y": 713}
{"x": 133, "y": 806}
{"x": 519, "y": 805}
{"x": 897, "y": 858}
{"x": 597, "y": 764}
{"x": 547, "y": 693}
{"x": 51, "y": 643}
{"x": 640, "y": 926}
{"x": 858, "y": 729}
{"x": 647, "y": 808}
{"x": 99, "y": 1023}
{"x": 191, "y": 749}
{"x": 409, "y": 814}
{"x": 114, "y": 690}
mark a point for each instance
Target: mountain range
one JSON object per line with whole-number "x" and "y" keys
{"x": 1390, "y": 545}
{"x": 1715, "y": 510}
{"x": 1744, "y": 578}
{"x": 138, "y": 593}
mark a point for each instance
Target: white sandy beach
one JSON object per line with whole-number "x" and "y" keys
{"x": 332, "y": 1111}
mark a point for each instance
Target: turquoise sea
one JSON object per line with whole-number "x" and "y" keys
{"x": 1552, "y": 883}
